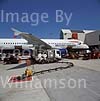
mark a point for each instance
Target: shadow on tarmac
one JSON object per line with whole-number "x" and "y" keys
{"x": 18, "y": 67}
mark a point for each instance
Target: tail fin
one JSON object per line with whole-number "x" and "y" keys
{"x": 16, "y": 32}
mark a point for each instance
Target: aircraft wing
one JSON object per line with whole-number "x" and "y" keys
{"x": 32, "y": 39}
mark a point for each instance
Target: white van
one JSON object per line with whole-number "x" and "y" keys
{"x": 57, "y": 54}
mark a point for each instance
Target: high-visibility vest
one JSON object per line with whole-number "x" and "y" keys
{"x": 29, "y": 72}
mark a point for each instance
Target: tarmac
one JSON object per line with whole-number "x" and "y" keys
{"x": 93, "y": 64}
{"x": 58, "y": 85}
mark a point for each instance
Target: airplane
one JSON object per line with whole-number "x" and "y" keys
{"x": 51, "y": 43}
{"x": 29, "y": 41}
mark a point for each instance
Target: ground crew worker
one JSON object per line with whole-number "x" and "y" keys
{"x": 44, "y": 56}
{"x": 28, "y": 72}
{"x": 40, "y": 57}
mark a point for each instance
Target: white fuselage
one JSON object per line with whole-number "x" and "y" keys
{"x": 11, "y": 43}
{"x": 54, "y": 43}
{"x": 62, "y": 43}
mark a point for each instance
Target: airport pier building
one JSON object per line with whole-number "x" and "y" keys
{"x": 89, "y": 37}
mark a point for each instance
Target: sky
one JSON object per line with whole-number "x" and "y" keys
{"x": 76, "y": 14}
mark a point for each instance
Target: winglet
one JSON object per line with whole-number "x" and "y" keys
{"x": 16, "y": 32}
